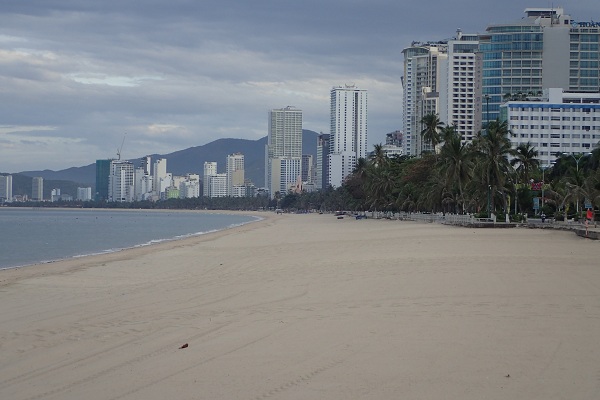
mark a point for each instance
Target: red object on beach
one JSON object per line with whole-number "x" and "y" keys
{"x": 184, "y": 346}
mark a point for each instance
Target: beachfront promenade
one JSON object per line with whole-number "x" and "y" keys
{"x": 469, "y": 220}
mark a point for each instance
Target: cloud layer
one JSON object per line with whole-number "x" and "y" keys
{"x": 75, "y": 76}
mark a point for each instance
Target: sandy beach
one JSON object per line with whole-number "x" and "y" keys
{"x": 311, "y": 307}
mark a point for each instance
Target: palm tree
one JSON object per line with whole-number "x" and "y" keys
{"x": 436, "y": 193}
{"x": 378, "y": 158}
{"x": 525, "y": 160}
{"x": 361, "y": 168}
{"x": 448, "y": 132}
{"x": 356, "y": 183}
{"x": 578, "y": 187}
{"x": 494, "y": 148}
{"x": 381, "y": 188}
{"x": 456, "y": 160}
{"x": 431, "y": 129}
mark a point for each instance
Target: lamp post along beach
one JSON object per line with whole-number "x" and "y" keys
{"x": 577, "y": 160}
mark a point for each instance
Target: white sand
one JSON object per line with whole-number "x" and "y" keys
{"x": 311, "y": 307}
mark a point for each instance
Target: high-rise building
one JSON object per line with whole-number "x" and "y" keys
{"x": 285, "y": 132}
{"x": 460, "y": 88}
{"x": 6, "y": 188}
{"x": 465, "y": 80}
{"x": 423, "y": 74}
{"x": 55, "y": 195}
{"x": 322, "y": 166}
{"x": 523, "y": 57}
{"x": 218, "y": 185}
{"x": 143, "y": 183}
{"x": 37, "y": 188}
{"x": 190, "y": 186}
{"x": 307, "y": 168}
{"x": 210, "y": 169}
{"x": 235, "y": 172}
{"x": 84, "y": 193}
{"x": 285, "y": 175}
{"x": 146, "y": 165}
{"x": 284, "y": 140}
{"x": 102, "y": 173}
{"x": 395, "y": 138}
{"x": 584, "y": 56}
{"x": 160, "y": 179}
{"x": 348, "y": 131}
{"x": 120, "y": 181}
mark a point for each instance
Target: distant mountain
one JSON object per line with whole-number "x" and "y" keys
{"x": 192, "y": 160}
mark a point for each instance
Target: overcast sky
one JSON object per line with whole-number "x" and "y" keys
{"x": 76, "y": 75}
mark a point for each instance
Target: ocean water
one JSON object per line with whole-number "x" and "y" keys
{"x": 30, "y": 236}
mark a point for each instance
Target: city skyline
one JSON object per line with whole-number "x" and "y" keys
{"x": 76, "y": 77}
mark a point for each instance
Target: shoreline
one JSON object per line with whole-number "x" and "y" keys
{"x": 47, "y": 266}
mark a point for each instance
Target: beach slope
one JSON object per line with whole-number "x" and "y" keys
{"x": 311, "y": 307}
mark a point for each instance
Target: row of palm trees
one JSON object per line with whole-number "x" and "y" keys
{"x": 483, "y": 176}
{"x": 455, "y": 177}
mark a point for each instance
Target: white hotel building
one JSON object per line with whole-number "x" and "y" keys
{"x": 235, "y": 174}
{"x": 460, "y": 86}
{"x": 561, "y": 122}
{"x": 348, "y": 131}
{"x": 283, "y": 152}
{"x": 120, "y": 181}
{"x": 6, "y": 185}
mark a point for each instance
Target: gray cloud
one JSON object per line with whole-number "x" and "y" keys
{"x": 76, "y": 75}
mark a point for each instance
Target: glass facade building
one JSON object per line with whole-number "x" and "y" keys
{"x": 102, "y": 174}
{"x": 546, "y": 49}
{"x": 512, "y": 64}
{"x": 584, "y": 53}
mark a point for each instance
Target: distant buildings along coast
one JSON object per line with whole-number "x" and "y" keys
{"x": 540, "y": 74}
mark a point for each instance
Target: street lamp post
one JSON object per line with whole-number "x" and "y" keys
{"x": 489, "y": 200}
{"x": 543, "y": 184}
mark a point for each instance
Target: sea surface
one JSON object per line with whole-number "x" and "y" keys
{"x": 41, "y": 235}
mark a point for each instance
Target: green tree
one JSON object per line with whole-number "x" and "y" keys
{"x": 431, "y": 129}
{"x": 493, "y": 150}
{"x": 378, "y": 158}
{"x": 456, "y": 160}
{"x": 525, "y": 159}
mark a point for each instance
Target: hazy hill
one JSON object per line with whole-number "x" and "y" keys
{"x": 191, "y": 160}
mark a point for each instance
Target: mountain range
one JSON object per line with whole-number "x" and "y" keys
{"x": 191, "y": 160}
